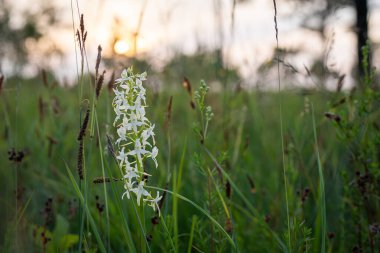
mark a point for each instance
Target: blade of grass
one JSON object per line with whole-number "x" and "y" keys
{"x": 239, "y": 193}
{"x": 219, "y": 194}
{"x": 104, "y": 185}
{"x": 201, "y": 210}
{"x": 84, "y": 204}
{"x": 182, "y": 162}
{"x": 23, "y": 210}
{"x": 143, "y": 233}
{"x": 321, "y": 192}
{"x": 194, "y": 219}
{"x": 167, "y": 231}
{"x": 123, "y": 214}
{"x": 281, "y": 127}
{"x": 175, "y": 210}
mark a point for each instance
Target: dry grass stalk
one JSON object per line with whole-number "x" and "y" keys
{"x": 340, "y": 83}
{"x": 168, "y": 113}
{"x": 251, "y": 184}
{"x": 1, "y": 83}
{"x": 56, "y": 105}
{"x": 41, "y": 108}
{"x": 187, "y": 85}
{"x": 44, "y": 78}
{"x": 111, "y": 82}
{"x": 52, "y": 142}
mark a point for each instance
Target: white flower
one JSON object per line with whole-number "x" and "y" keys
{"x": 130, "y": 173}
{"x": 134, "y": 123}
{"x": 122, "y": 157}
{"x": 154, "y": 202}
{"x": 154, "y": 155}
{"x": 140, "y": 191}
{"x": 146, "y": 134}
{"x": 122, "y": 134}
{"x": 138, "y": 151}
{"x": 135, "y": 135}
{"x": 128, "y": 186}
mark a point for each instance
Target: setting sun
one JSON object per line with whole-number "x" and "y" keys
{"x": 121, "y": 47}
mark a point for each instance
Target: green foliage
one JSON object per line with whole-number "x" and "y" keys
{"x": 229, "y": 190}
{"x": 58, "y": 240}
{"x": 356, "y": 121}
{"x": 205, "y": 112}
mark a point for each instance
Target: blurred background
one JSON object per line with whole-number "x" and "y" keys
{"x": 223, "y": 41}
{"x": 279, "y": 149}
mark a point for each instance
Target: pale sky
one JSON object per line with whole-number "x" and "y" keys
{"x": 181, "y": 25}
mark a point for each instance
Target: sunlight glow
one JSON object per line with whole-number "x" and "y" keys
{"x": 121, "y": 47}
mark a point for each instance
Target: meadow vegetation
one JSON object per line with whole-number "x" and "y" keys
{"x": 239, "y": 170}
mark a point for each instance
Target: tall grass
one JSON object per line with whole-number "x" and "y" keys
{"x": 282, "y": 128}
{"x": 218, "y": 170}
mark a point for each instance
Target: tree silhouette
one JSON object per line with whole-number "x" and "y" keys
{"x": 361, "y": 30}
{"x": 12, "y": 39}
{"x": 361, "y": 27}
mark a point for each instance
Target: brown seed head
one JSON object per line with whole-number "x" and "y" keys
{"x": 1, "y": 82}
{"x": 84, "y": 38}
{"x": 228, "y": 225}
{"x": 340, "y": 83}
{"x": 228, "y": 189}
{"x": 81, "y": 24}
{"x": 79, "y": 40}
{"x": 332, "y": 116}
{"x": 82, "y": 131}
{"x": 99, "y": 84}
{"x": 44, "y": 78}
{"x": 187, "y": 85}
{"x": 100, "y": 180}
{"x": 168, "y": 113}
{"x": 111, "y": 81}
{"x": 80, "y": 160}
{"x": 98, "y": 58}
{"x": 252, "y": 184}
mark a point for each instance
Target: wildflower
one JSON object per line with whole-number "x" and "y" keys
{"x": 136, "y": 140}
{"x": 140, "y": 191}
{"x": 154, "y": 202}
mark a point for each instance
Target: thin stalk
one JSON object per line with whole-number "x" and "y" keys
{"x": 203, "y": 211}
{"x": 75, "y": 48}
{"x": 219, "y": 194}
{"x": 122, "y": 212}
{"x": 175, "y": 210}
{"x": 167, "y": 231}
{"x": 239, "y": 193}
{"x": 321, "y": 195}
{"x": 104, "y": 185}
{"x": 143, "y": 239}
{"x": 90, "y": 218}
{"x": 281, "y": 127}
{"x": 141, "y": 225}
{"x": 210, "y": 210}
{"x": 194, "y": 220}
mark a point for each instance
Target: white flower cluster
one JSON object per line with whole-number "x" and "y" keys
{"x": 136, "y": 136}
